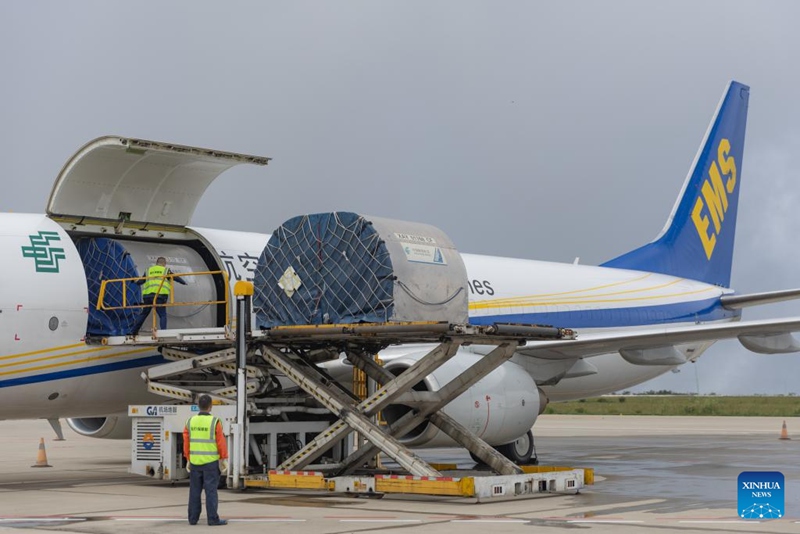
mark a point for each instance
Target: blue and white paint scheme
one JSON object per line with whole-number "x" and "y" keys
{"x": 677, "y": 278}
{"x": 638, "y": 315}
{"x": 647, "y": 311}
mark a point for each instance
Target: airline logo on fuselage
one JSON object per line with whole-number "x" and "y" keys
{"x": 713, "y": 200}
{"x": 45, "y": 256}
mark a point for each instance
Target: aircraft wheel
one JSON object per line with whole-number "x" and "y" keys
{"x": 519, "y": 451}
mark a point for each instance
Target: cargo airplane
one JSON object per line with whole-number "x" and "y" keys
{"x": 119, "y": 203}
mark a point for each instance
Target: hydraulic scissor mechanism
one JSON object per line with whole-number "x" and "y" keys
{"x": 180, "y": 378}
{"x": 355, "y": 415}
{"x": 285, "y": 383}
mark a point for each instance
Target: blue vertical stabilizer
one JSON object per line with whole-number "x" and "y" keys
{"x": 697, "y": 242}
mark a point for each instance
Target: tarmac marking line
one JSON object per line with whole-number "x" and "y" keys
{"x": 241, "y": 520}
{"x": 40, "y": 519}
{"x": 172, "y": 519}
{"x": 490, "y": 521}
{"x": 604, "y": 521}
{"x": 264, "y": 517}
{"x": 717, "y": 521}
{"x": 359, "y": 517}
{"x": 380, "y": 521}
{"x": 266, "y": 520}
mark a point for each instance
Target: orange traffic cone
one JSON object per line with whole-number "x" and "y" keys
{"x": 41, "y": 456}
{"x": 784, "y": 433}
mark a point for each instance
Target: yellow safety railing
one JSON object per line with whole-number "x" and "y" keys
{"x": 101, "y": 305}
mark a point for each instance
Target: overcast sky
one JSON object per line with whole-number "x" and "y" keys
{"x": 542, "y": 130}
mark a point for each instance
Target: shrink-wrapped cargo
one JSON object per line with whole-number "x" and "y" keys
{"x": 345, "y": 268}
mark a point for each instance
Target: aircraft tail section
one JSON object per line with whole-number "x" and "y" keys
{"x": 697, "y": 241}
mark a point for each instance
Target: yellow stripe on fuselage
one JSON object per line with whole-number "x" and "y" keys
{"x": 483, "y": 305}
{"x": 54, "y": 357}
{"x": 572, "y": 292}
{"x": 63, "y": 364}
{"x": 42, "y": 351}
{"x": 515, "y": 301}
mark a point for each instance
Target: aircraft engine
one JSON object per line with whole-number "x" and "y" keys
{"x": 109, "y": 427}
{"x": 500, "y": 408}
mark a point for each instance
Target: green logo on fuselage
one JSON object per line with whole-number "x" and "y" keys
{"x": 45, "y": 255}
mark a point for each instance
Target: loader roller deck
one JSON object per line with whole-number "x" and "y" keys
{"x": 365, "y": 335}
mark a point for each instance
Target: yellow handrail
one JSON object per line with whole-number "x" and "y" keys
{"x": 125, "y": 306}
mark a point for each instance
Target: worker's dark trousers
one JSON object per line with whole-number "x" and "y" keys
{"x": 204, "y": 477}
{"x": 160, "y": 309}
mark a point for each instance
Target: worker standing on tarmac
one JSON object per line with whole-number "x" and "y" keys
{"x": 157, "y": 282}
{"x": 206, "y": 450}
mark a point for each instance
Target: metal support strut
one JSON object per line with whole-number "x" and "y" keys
{"x": 356, "y": 416}
{"x": 431, "y": 410}
{"x": 244, "y": 292}
{"x": 392, "y": 389}
{"x": 444, "y": 422}
{"x": 351, "y": 416}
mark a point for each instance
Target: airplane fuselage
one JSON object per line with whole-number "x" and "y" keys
{"x": 48, "y": 370}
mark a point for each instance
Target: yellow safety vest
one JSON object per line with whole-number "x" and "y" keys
{"x": 156, "y": 281}
{"x": 202, "y": 442}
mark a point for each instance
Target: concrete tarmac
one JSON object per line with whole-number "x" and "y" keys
{"x": 654, "y": 474}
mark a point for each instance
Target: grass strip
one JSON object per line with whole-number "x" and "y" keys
{"x": 757, "y": 406}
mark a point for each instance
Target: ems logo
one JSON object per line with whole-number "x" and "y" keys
{"x": 761, "y": 495}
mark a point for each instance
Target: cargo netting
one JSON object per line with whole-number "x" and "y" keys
{"x": 327, "y": 268}
{"x": 106, "y": 259}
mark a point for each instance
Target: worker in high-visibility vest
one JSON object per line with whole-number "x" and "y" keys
{"x": 156, "y": 288}
{"x": 206, "y": 451}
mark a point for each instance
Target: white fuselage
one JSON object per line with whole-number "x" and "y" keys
{"x": 591, "y": 300}
{"x": 47, "y": 370}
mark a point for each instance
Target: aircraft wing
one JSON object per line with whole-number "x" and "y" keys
{"x": 656, "y": 346}
{"x": 735, "y": 302}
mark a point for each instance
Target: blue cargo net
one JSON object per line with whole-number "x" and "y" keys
{"x": 326, "y": 268}
{"x": 106, "y": 259}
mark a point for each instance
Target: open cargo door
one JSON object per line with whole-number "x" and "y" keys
{"x": 122, "y": 181}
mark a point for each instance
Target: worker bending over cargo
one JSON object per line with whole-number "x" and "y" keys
{"x": 157, "y": 286}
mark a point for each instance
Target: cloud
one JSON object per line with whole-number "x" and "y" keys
{"x": 541, "y": 130}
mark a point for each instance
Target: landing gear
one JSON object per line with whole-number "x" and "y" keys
{"x": 520, "y": 451}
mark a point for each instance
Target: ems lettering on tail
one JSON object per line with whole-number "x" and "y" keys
{"x": 713, "y": 200}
